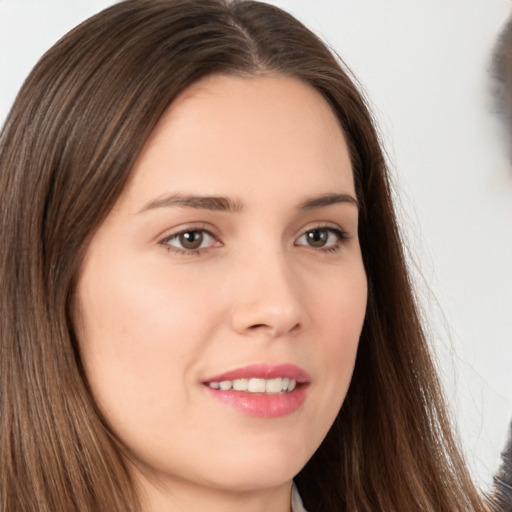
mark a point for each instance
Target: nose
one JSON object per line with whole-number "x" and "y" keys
{"x": 269, "y": 300}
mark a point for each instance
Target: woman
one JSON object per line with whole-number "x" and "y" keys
{"x": 199, "y": 239}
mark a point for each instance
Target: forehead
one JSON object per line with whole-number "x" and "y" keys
{"x": 227, "y": 130}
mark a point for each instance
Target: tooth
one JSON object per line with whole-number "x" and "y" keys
{"x": 256, "y": 386}
{"x": 274, "y": 385}
{"x": 225, "y": 385}
{"x": 240, "y": 384}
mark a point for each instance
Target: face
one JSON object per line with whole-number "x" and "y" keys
{"x": 219, "y": 306}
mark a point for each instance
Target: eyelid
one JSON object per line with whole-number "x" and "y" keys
{"x": 341, "y": 234}
{"x": 327, "y": 225}
{"x": 193, "y": 227}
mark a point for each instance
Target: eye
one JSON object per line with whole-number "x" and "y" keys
{"x": 322, "y": 238}
{"x": 189, "y": 240}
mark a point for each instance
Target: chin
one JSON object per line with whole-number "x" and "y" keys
{"x": 235, "y": 468}
{"x": 248, "y": 470}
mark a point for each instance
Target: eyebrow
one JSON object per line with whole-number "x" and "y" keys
{"x": 328, "y": 200}
{"x": 224, "y": 204}
{"x": 213, "y": 203}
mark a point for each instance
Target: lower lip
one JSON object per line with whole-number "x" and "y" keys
{"x": 263, "y": 405}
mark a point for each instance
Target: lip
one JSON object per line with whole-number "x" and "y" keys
{"x": 264, "y": 371}
{"x": 263, "y": 405}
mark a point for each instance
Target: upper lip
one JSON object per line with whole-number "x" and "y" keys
{"x": 264, "y": 371}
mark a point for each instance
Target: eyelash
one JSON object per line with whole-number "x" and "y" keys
{"x": 341, "y": 237}
{"x": 184, "y": 251}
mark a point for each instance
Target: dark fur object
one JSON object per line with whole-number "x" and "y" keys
{"x": 503, "y": 479}
{"x": 501, "y": 71}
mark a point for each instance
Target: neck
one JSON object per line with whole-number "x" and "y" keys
{"x": 182, "y": 496}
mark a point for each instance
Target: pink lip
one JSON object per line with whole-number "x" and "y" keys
{"x": 264, "y": 371}
{"x": 263, "y": 405}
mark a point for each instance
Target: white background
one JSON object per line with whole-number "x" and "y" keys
{"x": 424, "y": 66}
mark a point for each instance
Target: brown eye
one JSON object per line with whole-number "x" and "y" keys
{"x": 317, "y": 237}
{"x": 191, "y": 239}
{"x": 325, "y": 238}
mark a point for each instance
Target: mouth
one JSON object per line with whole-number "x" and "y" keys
{"x": 255, "y": 385}
{"x": 266, "y": 391}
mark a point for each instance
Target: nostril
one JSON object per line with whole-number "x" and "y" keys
{"x": 273, "y": 331}
{"x": 258, "y": 326}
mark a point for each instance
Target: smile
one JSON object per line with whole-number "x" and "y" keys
{"x": 261, "y": 390}
{"x": 269, "y": 386}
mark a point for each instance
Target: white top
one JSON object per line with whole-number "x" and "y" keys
{"x": 297, "y": 505}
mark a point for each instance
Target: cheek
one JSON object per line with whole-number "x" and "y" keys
{"x": 130, "y": 310}
{"x": 138, "y": 334}
{"x": 337, "y": 317}
{"x": 140, "y": 340}
{"x": 340, "y": 319}
{"x": 341, "y": 311}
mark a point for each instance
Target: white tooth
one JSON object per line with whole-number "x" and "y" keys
{"x": 285, "y": 383}
{"x": 214, "y": 385}
{"x": 256, "y": 386}
{"x": 291, "y": 385}
{"x": 240, "y": 384}
{"x": 225, "y": 385}
{"x": 274, "y": 385}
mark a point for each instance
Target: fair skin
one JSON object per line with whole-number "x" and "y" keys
{"x": 176, "y": 290}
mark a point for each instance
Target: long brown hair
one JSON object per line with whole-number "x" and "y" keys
{"x": 66, "y": 152}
